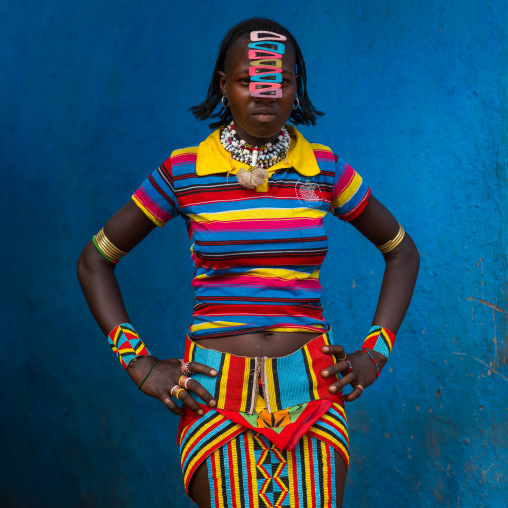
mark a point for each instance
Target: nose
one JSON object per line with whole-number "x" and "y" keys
{"x": 267, "y": 99}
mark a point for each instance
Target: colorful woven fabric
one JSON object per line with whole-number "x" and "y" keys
{"x": 246, "y": 468}
{"x": 236, "y": 385}
{"x": 249, "y": 471}
{"x": 380, "y": 339}
{"x": 126, "y": 344}
{"x": 257, "y": 252}
{"x": 201, "y": 437}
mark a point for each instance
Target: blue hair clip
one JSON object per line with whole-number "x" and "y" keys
{"x": 265, "y": 46}
{"x": 277, "y": 77}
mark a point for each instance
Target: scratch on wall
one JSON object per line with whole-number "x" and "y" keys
{"x": 488, "y": 304}
{"x": 495, "y": 309}
{"x": 483, "y": 363}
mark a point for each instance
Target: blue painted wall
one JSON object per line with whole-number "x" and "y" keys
{"x": 95, "y": 95}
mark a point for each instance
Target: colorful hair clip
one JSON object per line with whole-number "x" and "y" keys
{"x": 256, "y": 87}
{"x": 264, "y": 35}
{"x": 270, "y": 94}
{"x": 265, "y": 90}
{"x": 281, "y": 48}
{"x": 275, "y": 63}
{"x": 255, "y": 54}
{"x": 254, "y": 71}
{"x": 277, "y": 77}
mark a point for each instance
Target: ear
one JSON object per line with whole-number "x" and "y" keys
{"x": 223, "y": 82}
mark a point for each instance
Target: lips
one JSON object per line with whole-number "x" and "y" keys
{"x": 264, "y": 114}
{"x": 264, "y": 111}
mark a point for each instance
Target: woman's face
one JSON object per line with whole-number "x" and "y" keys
{"x": 257, "y": 120}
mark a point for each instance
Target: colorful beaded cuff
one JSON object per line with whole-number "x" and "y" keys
{"x": 126, "y": 344}
{"x": 379, "y": 339}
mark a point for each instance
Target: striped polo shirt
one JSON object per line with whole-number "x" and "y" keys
{"x": 257, "y": 253}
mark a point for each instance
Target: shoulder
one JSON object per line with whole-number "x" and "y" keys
{"x": 323, "y": 153}
{"x": 183, "y": 156}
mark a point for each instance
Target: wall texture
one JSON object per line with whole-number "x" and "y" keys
{"x": 96, "y": 95}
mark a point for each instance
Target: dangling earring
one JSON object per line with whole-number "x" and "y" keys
{"x": 225, "y": 102}
{"x": 297, "y": 103}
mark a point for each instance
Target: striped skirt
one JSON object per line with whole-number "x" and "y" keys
{"x": 271, "y": 439}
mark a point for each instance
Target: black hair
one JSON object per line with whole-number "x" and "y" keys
{"x": 306, "y": 113}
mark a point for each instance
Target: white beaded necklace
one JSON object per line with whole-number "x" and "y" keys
{"x": 259, "y": 158}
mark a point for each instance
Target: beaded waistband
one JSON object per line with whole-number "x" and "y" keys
{"x": 287, "y": 381}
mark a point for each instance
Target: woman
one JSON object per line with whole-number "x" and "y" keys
{"x": 262, "y": 419}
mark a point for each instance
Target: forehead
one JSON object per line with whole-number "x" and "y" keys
{"x": 238, "y": 57}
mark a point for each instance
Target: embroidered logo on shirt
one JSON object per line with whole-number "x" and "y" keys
{"x": 308, "y": 193}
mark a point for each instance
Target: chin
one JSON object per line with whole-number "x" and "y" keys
{"x": 266, "y": 127}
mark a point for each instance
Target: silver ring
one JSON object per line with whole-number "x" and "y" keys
{"x": 172, "y": 389}
{"x": 185, "y": 380}
{"x": 359, "y": 386}
{"x": 342, "y": 359}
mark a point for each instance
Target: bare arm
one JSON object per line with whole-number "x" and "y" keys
{"x": 96, "y": 274}
{"x": 379, "y": 226}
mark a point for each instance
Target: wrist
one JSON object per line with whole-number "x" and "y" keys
{"x": 379, "y": 340}
{"x": 139, "y": 366}
{"x": 374, "y": 362}
{"x": 126, "y": 344}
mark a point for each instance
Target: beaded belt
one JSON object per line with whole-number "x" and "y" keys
{"x": 287, "y": 381}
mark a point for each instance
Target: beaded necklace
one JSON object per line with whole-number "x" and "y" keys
{"x": 259, "y": 158}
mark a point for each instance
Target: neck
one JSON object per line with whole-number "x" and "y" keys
{"x": 262, "y": 156}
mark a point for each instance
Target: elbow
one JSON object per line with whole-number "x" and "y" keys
{"x": 90, "y": 262}
{"x": 414, "y": 255}
{"x": 406, "y": 256}
{"x": 412, "y": 260}
{"x": 82, "y": 267}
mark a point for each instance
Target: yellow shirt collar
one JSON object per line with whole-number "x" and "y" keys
{"x": 212, "y": 158}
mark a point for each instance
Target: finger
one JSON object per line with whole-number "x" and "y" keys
{"x": 184, "y": 396}
{"x": 334, "y": 349}
{"x": 194, "y": 386}
{"x": 183, "y": 381}
{"x": 355, "y": 394}
{"x": 335, "y": 369}
{"x": 168, "y": 402}
{"x": 202, "y": 369}
{"x": 339, "y": 385}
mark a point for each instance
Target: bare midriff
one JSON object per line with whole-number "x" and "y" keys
{"x": 264, "y": 343}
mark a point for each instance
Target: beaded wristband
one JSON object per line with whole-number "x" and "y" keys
{"x": 379, "y": 339}
{"x": 371, "y": 357}
{"x": 126, "y": 344}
